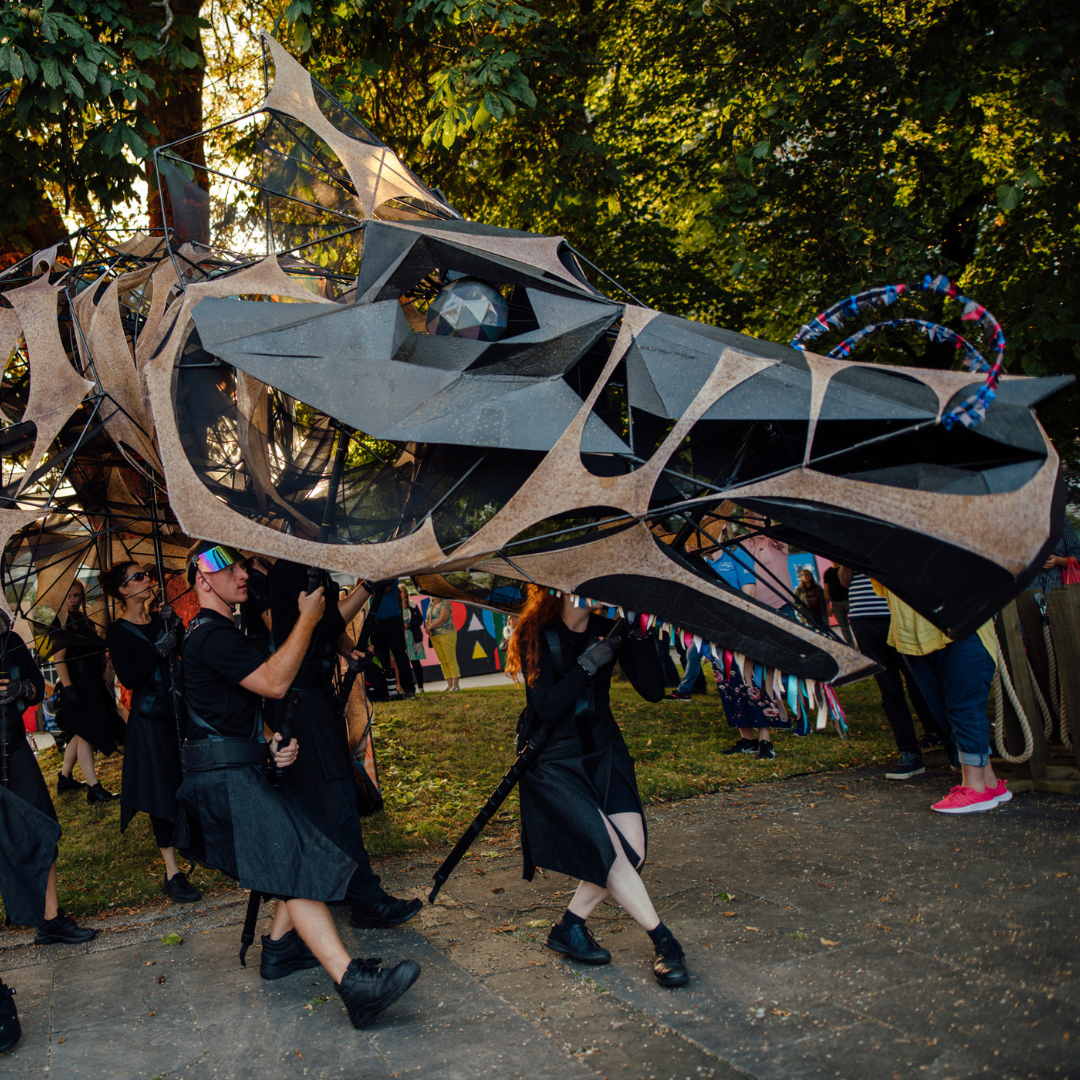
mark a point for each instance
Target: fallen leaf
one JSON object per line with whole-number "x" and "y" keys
{"x": 498, "y": 889}
{"x": 826, "y": 941}
{"x": 151, "y": 1014}
{"x": 780, "y": 1012}
{"x": 754, "y": 928}
{"x": 160, "y": 979}
{"x": 1062, "y": 873}
{"x": 171, "y": 939}
{"x": 538, "y": 924}
{"x": 728, "y": 914}
{"x": 149, "y": 963}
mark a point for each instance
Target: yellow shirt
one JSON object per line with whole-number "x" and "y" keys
{"x": 912, "y": 635}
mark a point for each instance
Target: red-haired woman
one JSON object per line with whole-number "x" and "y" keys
{"x": 580, "y": 810}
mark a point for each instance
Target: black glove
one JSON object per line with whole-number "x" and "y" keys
{"x": 166, "y": 644}
{"x": 599, "y": 654}
{"x": 17, "y": 688}
{"x": 362, "y": 662}
{"x": 68, "y": 695}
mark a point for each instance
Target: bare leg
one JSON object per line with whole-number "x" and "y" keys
{"x": 978, "y": 777}
{"x": 764, "y": 734}
{"x": 315, "y": 925}
{"x": 282, "y": 921}
{"x": 748, "y": 733}
{"x": 52, "y": 902}
{"x": 86, "y": 762}
{"x": 169, "y": 855}
{"x": 589, "y": 896}
{"x": 70, "y": 753}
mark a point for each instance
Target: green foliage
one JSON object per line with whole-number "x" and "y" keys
{"x": 73, "y": 126}
{"x": 746, "y": 163}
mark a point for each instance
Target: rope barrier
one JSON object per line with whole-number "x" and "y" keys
{"x": 1001, "y": 675}
{"x": 1055, "y": 690}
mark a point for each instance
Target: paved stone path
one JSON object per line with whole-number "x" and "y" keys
{"x": 834, "y": 927}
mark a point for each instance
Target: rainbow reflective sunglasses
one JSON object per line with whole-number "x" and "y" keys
{"x": 219, "y": 557}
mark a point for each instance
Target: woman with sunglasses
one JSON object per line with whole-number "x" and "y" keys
{"x": 139, "y": 645}
{"x": 86, "y": 708}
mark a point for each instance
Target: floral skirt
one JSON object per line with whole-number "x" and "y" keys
{"x": 746, "y": 705}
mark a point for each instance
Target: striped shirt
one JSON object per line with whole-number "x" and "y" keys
{"x": 863, "y": 602}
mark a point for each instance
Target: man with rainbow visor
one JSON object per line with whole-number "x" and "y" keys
{"x": 237, "y": 821}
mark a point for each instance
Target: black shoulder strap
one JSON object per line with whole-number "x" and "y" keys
{"x": 555, "y": 648}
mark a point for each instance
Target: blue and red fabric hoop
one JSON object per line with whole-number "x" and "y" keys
{"x": 969, "y": 412}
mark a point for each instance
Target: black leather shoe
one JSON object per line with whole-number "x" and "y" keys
{"x": 97, "y": 794}
{"x": 391, "y": 912}
{"x": 669, "y": 967}
{"x": 577, "y": 942}
{"x": 10, "y": 1031}
{"x": 62, "y": 929}
{"x": 284, "y": 956}
{"x": 366, "y": 989}
{"x": 65, "y": 784}
{"x": 181, "y": 890}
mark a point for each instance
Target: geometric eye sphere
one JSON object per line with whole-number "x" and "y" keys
{"x": 468, "y": 308}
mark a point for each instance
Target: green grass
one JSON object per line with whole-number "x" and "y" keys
{"x": 440, "y": 755}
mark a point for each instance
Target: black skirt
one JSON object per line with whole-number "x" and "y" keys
{"x": 579, "y": 776}
{"x": 235, "y": 822}
{"x": 92, "y": 718}
{"x": 152, "y": 772}
{"x": 322, "y": 736}
{"x": 29, "y": 833}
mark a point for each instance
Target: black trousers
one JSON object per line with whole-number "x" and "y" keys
{"x": 389, "y": 637}
{"x": 873, "y": 638}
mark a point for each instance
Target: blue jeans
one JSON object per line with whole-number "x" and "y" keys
{"x": 691, "y": 670}
{"x": 956, "y": 684}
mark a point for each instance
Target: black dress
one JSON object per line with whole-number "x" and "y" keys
{"x": 92, "y": 717}
{"x": 585, "y": 769}
{"x": 29, "y": 830}
{"x": 233, "y": 820}
{"x": 152, "y": 770}
{"x": 321, "y": 780}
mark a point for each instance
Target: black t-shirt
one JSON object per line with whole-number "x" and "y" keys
{"x": 836, "y": 590}
{"x": 217, "y": 657}
{"x": 285, "y": 582}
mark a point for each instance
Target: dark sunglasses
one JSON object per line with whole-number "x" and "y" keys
{"x": 139, "y": 575}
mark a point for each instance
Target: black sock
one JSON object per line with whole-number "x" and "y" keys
{"x": 570, "y": 919}
{"x": 659, "y": 933}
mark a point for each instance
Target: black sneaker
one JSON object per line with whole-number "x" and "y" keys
{"x": 10, "y": 1031}
{"x": 742, "y": 746}
{"x": 765, "y": 751}
{"x": 676, "y": 696}
{"x": 577, "y": 942}
{"x": 97, "y": 794}
{"x": 909, "y": 765}
{"x": 62, "y": 930}
{"x": 283, "y": 957}
{"x": 181, "y": 890}
{"x": 669, "y": 966}
{"x": 366, "y": 989}
{"x": 65, "y": 784}
{"x": 391, "y": 912}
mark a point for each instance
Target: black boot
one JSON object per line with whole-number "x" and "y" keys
{"x": 284, "y": 956}
{"x": 64, "y": 784}
{"x": 366, "y": 989}
{"x": 62, "y": 930}
{"x": 181, "y": 890}
{"x": 390, "y": 912}
{"x": 669, "y": 967}
{"x": 97, "y": 794}
{"x": 577, "y": 942}
{"x": 10, "y": 1031}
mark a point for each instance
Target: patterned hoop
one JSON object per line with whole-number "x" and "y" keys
{"x": 969, "y": 412}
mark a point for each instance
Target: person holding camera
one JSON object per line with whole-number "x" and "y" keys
{"x": 322, "y": 780}
{"x": 581, "y": 814}
{"x": 28, "y": 872}
{"x": 140, "y": 646}
{"x": 235, "y": 820}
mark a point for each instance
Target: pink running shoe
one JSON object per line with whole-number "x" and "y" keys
{"x": 965, "y": 800}
{"x": 1000, "y": 793}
